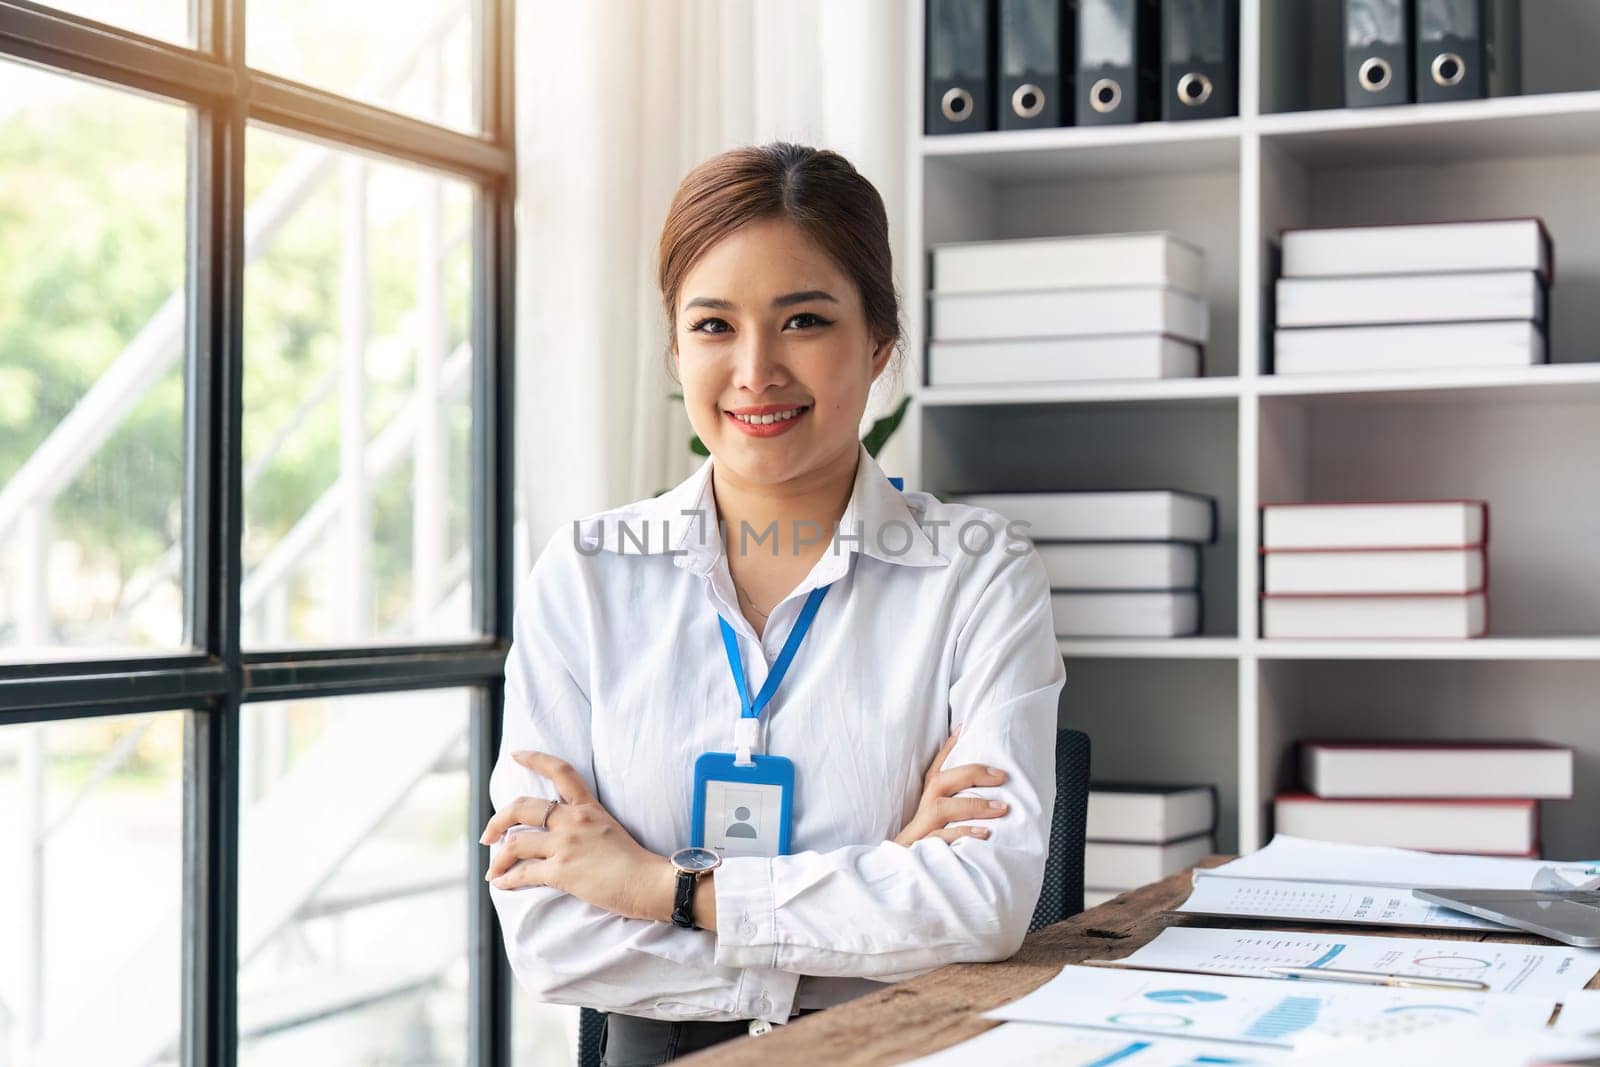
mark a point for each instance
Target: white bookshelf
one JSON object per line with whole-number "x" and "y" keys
{"x": 1227, "y": 707}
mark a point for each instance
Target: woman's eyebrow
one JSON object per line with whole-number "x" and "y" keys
{"x": 784, "y": 301}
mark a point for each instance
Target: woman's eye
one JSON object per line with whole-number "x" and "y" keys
{"x": 713, "y": 325}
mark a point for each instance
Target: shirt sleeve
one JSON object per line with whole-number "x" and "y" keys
{"x": 564, "y": 950}
{"x": 889, "y": 912}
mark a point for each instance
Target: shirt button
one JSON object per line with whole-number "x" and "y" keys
{"x": 747, "y": 929}
{"x": 764, "y": 1004}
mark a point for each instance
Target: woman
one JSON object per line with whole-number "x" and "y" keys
{"x": 785, "y": 607}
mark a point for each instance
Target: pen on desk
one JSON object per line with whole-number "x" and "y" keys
{"x": 1402, "y": 981}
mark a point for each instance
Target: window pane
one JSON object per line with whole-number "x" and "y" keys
{"x": 353, "y": 880}
{"x": 91, "y": 889}
{"x": 413, "y": 56}
{"x": 92, "y": 308}
{"x": 357, "y": 395}
{"x": 166, "y": 20}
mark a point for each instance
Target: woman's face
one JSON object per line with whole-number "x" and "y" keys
{"x": 768, "y": 325}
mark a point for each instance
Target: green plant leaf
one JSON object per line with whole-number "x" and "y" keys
{"x": 674, "y": 396}
{"x": 885, "y": 427}
{"x": 698, "y": 447}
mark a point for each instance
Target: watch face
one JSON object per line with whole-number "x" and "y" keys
{"x": 695, "y": 859}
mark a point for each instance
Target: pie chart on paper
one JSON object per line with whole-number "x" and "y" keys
{"x": 1452, "y": 963}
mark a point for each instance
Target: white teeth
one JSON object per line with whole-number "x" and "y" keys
{"x": 767, "y": 420}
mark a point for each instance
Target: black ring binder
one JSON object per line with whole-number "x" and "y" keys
{"x": 1105, "y": 95}
{"x": 1194, "y": 89}
{"x": 1376, "y": 75}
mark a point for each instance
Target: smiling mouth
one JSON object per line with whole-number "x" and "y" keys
{"x": 768, "y": 418}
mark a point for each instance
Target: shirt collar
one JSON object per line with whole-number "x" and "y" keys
{"x": 879, "y": 521}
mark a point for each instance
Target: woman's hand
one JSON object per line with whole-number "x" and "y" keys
{"x": 584, "y": 852}
{"x": 940, "y": 806}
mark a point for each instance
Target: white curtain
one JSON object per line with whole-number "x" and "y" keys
{"x": 616, "y": 101}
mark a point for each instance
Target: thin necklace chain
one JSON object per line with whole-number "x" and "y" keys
{"x": 749, "y": 600}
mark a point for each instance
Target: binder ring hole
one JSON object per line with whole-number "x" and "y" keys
{"x": 1105, "y": 95}
{"x": 1375, "y": 74}
{"x": 1194, "y": 88}
{"x": 1027, "y": 101}
{"x": 1448, "y": 69}
{"x": 956, "y": 105}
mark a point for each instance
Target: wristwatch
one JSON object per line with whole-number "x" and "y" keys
{"x": 690, "y": 863}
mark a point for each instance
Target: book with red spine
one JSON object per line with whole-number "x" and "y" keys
{"x": 1360, "y": 616}
{"x": 1482, "y": 826}
{"x": 1355, "y": 525}
{"x": 1372, "y": 571}
{"x": 1336, "y": 770}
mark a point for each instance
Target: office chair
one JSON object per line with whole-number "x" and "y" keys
{"x": 1062, "y": 895}
{"x": 1061, "y": 898}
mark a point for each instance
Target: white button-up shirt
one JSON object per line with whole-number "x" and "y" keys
{"x": 937, "y": 617}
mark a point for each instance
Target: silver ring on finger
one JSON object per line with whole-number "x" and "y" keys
{"x": 544, "y": 823}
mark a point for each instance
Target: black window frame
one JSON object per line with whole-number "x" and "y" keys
{"x": 218, "y": 677}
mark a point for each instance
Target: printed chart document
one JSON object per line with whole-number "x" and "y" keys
{"x": 1533, "y": 969}
{"x": 1251, "y": 1011}
{"x": 1297, "y": 859}
{"x": 1580, "y": 1014}
{"x": 1318, "y": 881}
{"x": 1468, "y": 1042}
{"x": 1042, "y": 1045}
{"x": 1325, "y": 902}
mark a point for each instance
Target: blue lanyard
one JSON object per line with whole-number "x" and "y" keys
{"x": 752, "y": 709}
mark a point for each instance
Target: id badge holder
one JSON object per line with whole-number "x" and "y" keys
{"x": 739, "y": 810}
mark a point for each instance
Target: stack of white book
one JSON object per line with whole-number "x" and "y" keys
{"x": 1458, "y": 294}
{"x": 1120, "y": 564}
{"x": 1066, "y": 309}
{"x": 1365, "y": 569}
{"x": 1459, "y": 796}
{"x": 1138, "y": 834}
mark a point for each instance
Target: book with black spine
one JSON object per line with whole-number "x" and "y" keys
{"x": 1149, "y": 812}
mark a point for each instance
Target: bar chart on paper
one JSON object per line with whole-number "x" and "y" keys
{"x": 1287, "y": 1017}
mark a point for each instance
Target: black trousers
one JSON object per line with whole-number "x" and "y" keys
{"x": 629, "y": 1041}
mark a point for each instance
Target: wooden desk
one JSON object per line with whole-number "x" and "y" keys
{"x": 944, "y": 1007}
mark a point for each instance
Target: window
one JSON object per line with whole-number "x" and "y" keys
{"x": 413, "y": 56}
{"x": 92, "y": 311}
{"x": 357, "y": 399}
{"x": 354, "y": 883}
{"x": 255, "y": 528}
{"x": 91, "y": 803}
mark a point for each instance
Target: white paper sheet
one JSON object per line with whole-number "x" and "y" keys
{"x": 1042, "y": 1045}
{"x": 1324, "y": 902}
{"x": 1253, "y": 1011}
{"x": 1580, "y": 1013}
{"x": 1532, "y": 969}
{"x": 1470, "y": 1042}
{"x": 1297, "y": 859}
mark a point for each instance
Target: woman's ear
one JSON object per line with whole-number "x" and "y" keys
{"x": 880, "y": 358}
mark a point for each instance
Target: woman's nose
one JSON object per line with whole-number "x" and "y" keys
{"x": 758, "y": 364}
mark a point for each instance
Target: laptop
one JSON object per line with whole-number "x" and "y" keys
{"x": 1571, "y": 916}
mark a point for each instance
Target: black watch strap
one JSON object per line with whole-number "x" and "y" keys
{"x": 683, "y": 901}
